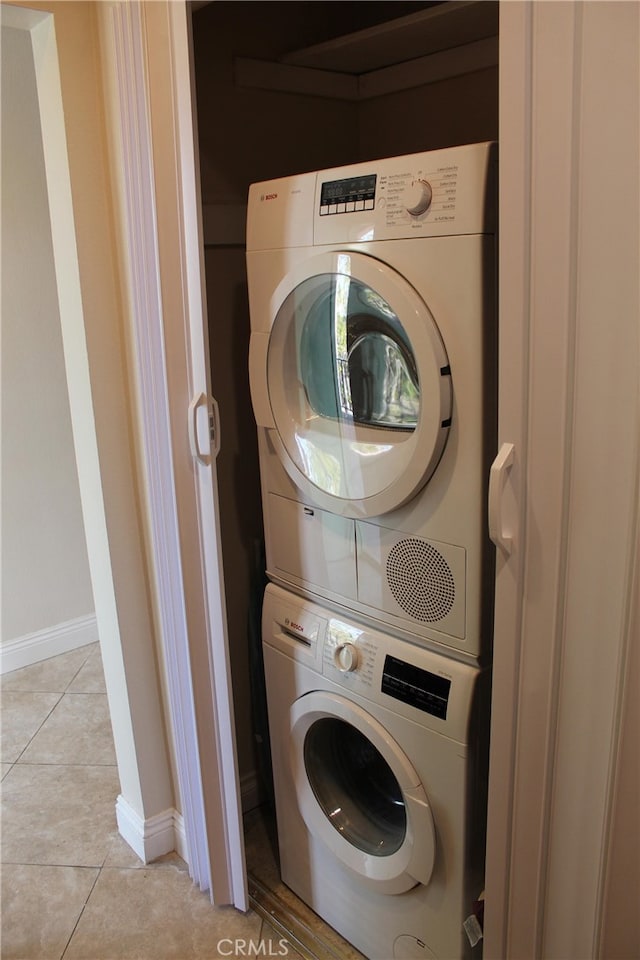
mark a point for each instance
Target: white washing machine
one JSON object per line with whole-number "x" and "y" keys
{"x": 379, "y": 763}
{"x": 373, "y": 342}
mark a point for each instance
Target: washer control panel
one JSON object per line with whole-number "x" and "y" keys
{"x": 349, "y": 655}
{"x": 352, "y": 658}
{"x": 420, "y": 688}
{"x": 409, "y": 680}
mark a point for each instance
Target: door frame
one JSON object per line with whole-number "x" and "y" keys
{"x": 148, "y": 86}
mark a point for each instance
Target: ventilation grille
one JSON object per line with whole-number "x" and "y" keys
{"x": 420, "y": 580}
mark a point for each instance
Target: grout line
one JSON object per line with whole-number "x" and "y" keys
{"x": 80, "y": 668}
{"x": 80, "y": 915}
{"x": 32, "y": 738}
{"x": 94, "y": 867}
{"x": 28, "y": 666}
{"x": 10, "y": 764}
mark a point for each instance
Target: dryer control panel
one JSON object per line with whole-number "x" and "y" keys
{"x": 431, "y": 194}
{"x": 449, "y": 192}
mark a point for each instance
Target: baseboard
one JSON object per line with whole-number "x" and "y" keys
{"x": 153, "y": 837}
{"x": 250, "y": 791}
{"x": 163, "y": 833}
{"x": 43, "y": 644}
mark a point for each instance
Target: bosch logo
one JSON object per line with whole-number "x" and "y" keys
{"x": 293, "y": 625}
{"x": 268, "y": 196}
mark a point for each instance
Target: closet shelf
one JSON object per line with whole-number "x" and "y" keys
{"x": 447, "y": 25}
{"x": 447, "y": 40}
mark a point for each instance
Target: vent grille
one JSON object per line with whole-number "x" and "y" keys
{"x": 420, "y": 580}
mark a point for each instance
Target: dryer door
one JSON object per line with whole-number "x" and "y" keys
{"x": 359, "y": 794}
{"x": 358, "y": 383}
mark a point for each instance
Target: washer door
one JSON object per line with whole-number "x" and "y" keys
{"x": 358, "y": 383}
{"x": 359, "y": 794}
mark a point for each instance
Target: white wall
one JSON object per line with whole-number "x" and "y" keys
{"x": 46, "y": 587}
{"x": 67, "y": 65}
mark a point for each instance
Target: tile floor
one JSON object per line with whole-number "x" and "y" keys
{"x": 71, "y": 887}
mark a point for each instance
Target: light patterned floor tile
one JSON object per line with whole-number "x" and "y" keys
{"x": 90, "y": 678}
{"x": 77, "y": 731}
{"x": 160, "y": 915}
{"x": 120, "y": 854}
{"x": 58, "y": 829}
{"x": 48, "y": 676}
{"x": 60, "y": 815}
{"x": 21, "y": 716}
{"x": 40, "y": 908}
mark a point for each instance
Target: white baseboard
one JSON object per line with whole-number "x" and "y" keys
{"x": 43, "y": 644}
{"x": 151, "y": 838}
{"x": 163, "y": 833}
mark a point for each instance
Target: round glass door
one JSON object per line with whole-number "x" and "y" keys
{"x": 355, "y": 361}
{"x": 359, "y": 794}
{"x": 355, "y": 787}
{"x": 359, "y": 385}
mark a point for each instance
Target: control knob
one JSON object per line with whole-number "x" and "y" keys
{"x": 346, "y": 657}
{"x": 418, "y": 198}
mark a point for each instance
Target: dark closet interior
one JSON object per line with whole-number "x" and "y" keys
{"x": 289, "y": 87}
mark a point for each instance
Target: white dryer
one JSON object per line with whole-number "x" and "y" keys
{"x": 379, "y": 764}
{"x": 373, "y": 338}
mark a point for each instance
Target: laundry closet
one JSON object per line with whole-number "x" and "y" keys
{"x": 285, "y": 88}
{"x": 558, "y": 704}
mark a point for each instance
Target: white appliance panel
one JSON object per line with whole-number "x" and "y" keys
{"x": 312, "y": 546}
{"x": 417, "y": 580}
{"x": 434, "y": 486}
{"x": 436, "y": 750}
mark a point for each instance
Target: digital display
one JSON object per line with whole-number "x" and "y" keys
{"x": 416, "y": 687}
{"x": 353, "y": 191}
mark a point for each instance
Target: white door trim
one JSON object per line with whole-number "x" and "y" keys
{"x": 148, "y": 86}
{"x": 569, "y": 373}
{"x": 122, "y": 36}
{"x": 514, "y": 257}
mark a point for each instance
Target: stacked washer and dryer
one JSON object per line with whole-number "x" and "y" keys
{"x": 372, "y": 294}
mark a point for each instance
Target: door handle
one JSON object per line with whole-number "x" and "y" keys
{"x": 214, "y": 426}
{"x": 497, "y": 479}
{"x": 213, "y": 414}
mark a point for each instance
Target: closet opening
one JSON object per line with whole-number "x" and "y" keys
{"x": 286, "y": 88}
